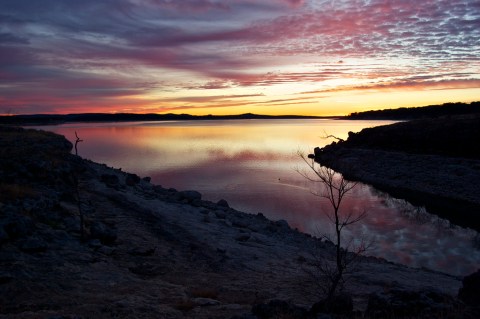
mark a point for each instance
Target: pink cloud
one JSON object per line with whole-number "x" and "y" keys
{"x": 116, "y": 49}
{"x": 408, "y": 85}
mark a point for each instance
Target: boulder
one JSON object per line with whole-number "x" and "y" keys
{"x": 95, "y": 244}
{"x": 190, "y": 196}
{"x": 208, "y": 218}
{"x": 399, "y": 302}
{"x": 146, "y": 270}
{"x": 107, "y": 235}
{"x": 143, "y": 251}
{"x": 3, "y": 236}
{"x": 204, "y": 302}
{"x": 220, "y": 214}
{"x": 243, "y": 237}
{"x": 33, "y": 245}
{"x": 339, "y": 305}
{"x": 18, "y": 226}
{"x": 278, "y": 309}
{"x": 223, "y": 203}
{"x": 282, "y": 224}
{"x": 132, "y": 179}
{"x": 470, "y": 290}
{"x": 110, "y": 180}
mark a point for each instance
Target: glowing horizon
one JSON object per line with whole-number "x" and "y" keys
{"x": 202, "y": 57}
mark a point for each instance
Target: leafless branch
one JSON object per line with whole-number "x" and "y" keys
{"x": 331, "y": 275}
{"x": 326, "y": 135}
{"x": 76, "y": 142}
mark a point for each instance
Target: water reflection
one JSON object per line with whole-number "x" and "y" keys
{"x": 252, "y": 164}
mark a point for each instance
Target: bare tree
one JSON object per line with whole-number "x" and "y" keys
{"x": 326, "y": 136}
{"x": 77, "y": 191}
{"x": 76, "y": 142}
{"x": 334, "y": 187}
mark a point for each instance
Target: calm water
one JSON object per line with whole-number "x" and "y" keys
{"x": 252, "y": 164}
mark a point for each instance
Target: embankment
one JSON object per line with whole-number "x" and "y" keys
{"x": 433, "y": 163}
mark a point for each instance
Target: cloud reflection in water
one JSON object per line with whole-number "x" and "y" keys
{"x": 252, "y": 165}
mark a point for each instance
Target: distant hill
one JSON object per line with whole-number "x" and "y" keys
{"x": 410, "y": 113}
{"x": 46, "y": 119}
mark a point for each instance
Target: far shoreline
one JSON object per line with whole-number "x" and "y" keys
{"x": 58, "y": 119}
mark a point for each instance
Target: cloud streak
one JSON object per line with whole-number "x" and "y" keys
{"x": 56, "y": 55}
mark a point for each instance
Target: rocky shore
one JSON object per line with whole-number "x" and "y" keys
{"x": 79, "y": 239}
{"x": 431, "y": 162}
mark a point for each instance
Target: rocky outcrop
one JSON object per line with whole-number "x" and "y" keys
{"x": 470, "y": 294}
{"x": 430, "y": 163}
{"x": 400, "y": 303}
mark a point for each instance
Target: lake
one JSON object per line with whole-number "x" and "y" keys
{"x": 253, "y": 165}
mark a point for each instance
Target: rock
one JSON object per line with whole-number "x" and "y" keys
{"x": 3, "y": 236}
{"x": 339, "y": 305}
{"x": 18, "y": 226}
{"x": 399, "y": 302}
{"x": 190, "y": 196}
{"x": 261, "y": 217}
{"x": 220, "y": 214}
{"x": 33, "y": 245}
{"x": 143, "y": 251}
{"x": 110, "y": 180}
{"x": 209, "y": 217}
{"x": 243, "y": 237}
{"x": 147, "y": 270}
{"x": 147, "y": 179}
{"x": 72, "y": 224}
{"x": 5, "y": 277}
{"x": 159, "y": 189}
{"x": 95, "y": 243}
{"x": 105, "y": 234}
{"x": 223, "y": 203}
{"x": 203, "y": 302}
{"x": 282, "y": 224}
{"x": 240, "y": 222}
{"x": 244, "y": 316}
{"x": 106, "y": 250}
{"x": 132, "y": 179}
{"x": 470, "y": 290}
{"x": 279, "y": 309}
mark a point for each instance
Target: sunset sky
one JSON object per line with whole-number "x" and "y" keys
{"x": 309, "y": 57}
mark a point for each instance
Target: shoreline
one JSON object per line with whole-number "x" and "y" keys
{"x": 444, "y": 186}
{"x": 154, "y": 252}
{"x": 431, "y": 162}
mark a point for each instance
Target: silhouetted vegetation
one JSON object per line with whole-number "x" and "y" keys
{"x": 334, "y": 187}
{"x": 409, "y": 113}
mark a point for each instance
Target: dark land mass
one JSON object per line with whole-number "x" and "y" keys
{"x": 49, "y": 119}
{"x": 79, "y": 239}
{"x": 410, "y": 113}
{"x": 430, "y": 162}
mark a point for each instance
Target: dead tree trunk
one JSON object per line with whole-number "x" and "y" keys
{"x": 76, "y": 142}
